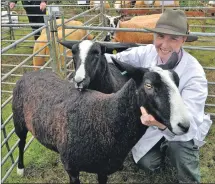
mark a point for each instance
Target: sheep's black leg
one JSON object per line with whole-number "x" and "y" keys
{"x": 72, "y": 172}
{"x": 102, "y": 178}
{"x": 74, "y": 177}
{"x": 22, "y": 135}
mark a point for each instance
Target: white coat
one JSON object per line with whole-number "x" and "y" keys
{"x": 193, "y": 88}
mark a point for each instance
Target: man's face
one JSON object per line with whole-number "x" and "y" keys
{"x": 166, "y": 44}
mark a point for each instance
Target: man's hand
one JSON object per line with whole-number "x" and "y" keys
{"x": 149, "y": 120}
{"x": 12, "y": 5}
{"x": 42, "y": 6}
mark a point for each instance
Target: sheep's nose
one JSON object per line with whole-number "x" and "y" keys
{"x": 79, "y": 86}
{"x": 183, "y": 127}
{"x": 78, "y": 79}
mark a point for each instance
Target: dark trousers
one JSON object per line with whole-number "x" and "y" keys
{"x": 34, "y": 19}
{"x": 184, "y": 156}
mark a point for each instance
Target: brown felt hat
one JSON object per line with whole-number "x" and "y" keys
{"x": 173, "y": 22}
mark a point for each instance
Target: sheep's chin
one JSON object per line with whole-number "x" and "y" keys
{"x": 79, "y": 86}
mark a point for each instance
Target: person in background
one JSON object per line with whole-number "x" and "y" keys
{"x": 159, "y": 143}
{"x": 39, "y": 10}
{"x": 54, "y": 9}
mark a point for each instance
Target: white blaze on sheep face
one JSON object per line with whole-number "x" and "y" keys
{"x": 111, "y": 19}
{"x": 84, "y": 48}
{"x": 176, "y": 116}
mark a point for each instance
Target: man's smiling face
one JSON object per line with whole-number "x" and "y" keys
{"x": 167, "y": 44}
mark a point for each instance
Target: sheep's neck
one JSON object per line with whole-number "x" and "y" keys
{"x": 105, "y": 81}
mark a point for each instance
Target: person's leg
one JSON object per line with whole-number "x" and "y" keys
{"x": 35, "y": 19}
{"x": 153, "y": 159}
{"x": 38, "y": 19}
{"x": 184, "y": 156}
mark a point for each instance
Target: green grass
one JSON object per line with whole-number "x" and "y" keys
{"x": 44, "y": 166}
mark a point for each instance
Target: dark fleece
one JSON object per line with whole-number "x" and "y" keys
{"x": 92, "y": 131}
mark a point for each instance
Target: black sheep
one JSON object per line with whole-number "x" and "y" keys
{"x": 92, "y": 70}
{"x": 91, "y": 131}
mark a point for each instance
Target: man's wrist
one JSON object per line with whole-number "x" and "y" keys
{"x": 162, "y": 127}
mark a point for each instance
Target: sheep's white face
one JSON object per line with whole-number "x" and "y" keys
{"x": 112, "y": 22}
{"x": 158, "y": 93}
{"x": 83, "y": 49}
{"x": 179, "y": 118}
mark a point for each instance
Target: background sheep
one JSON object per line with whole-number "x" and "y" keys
{"x": 112, "y": 21}
{"x": 76, "y": 35}
{"x": 135, "y": 22}
{"x": 139, "y": 22}
{"x": 91, "y": 131}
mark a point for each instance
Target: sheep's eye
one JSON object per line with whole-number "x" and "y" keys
{"x": 149, "y": 86}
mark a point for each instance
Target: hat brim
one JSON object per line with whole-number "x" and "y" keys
{"x": 190, "y": 38}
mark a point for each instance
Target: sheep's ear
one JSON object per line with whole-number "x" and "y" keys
{"x": 117, "y": 19}
{"x": 134, "y": 72}
{"x": 171, "y": 63}
{"x": 69, "y": 44}
{"x": 113, "y": 48}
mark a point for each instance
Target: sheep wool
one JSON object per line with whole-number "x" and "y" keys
{"x": 148, "y": 21}
{"x": 85, "y": 128}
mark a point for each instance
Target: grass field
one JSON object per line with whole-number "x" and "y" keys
{"x": 44, "y": 166}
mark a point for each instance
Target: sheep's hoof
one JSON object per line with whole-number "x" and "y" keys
{"x": 20, "y": 172}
